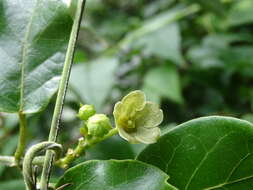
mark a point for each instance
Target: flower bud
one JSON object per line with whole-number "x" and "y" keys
{"x": 86, "y": 111}
{"x": 98, "y": 125}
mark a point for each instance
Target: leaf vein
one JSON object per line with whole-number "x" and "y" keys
{"x": 204, "y": 159}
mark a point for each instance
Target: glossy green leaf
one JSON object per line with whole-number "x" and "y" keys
{"x": 33, "y": 36}
{"x": 163, "y": 81}
{"x": 116, "y": 175}
{"x": 112, "y": 148}
{"x": 93, "y": 81}
{"x": 206, "y": 153}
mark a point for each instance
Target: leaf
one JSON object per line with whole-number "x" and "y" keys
{"x": 206, "y": 153}
{"x": 113, "y": 148}
{"x": 93, "y": 81}
{"x": 164, "y": 43}
{"x": 248, "y": 117}
{"x": 163, "y": 81}
{"x": 241, "y": 13}
{"x": 216, "y": 52}
{"x": 158, "y": 22}
{"x": 155, "y": 6}
{"x": 33, "y": 36}
{"x": 14, "y": 184}
{"x": 215, "y": 6}
{"x": 116, "y": 175}
{"x": 239, "y": 59}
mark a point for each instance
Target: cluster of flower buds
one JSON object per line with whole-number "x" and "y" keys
{"x": 95, "y": 125}
{"x": 136, "y": 119}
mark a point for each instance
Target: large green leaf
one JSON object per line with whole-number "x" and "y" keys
{"x": 206, "y": 153}
{"x": 163, "y": 81}
{"x": 113, "y": 148}
{"x": 115, "y": 175}
{"x": 33, "y": 35}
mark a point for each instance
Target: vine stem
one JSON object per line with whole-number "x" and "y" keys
{"x": 10, "y": 161}
{"x": 62, "y": 92}
{"x": 81, "y": 148}
{"x": 22, "y": 139}
{"x": 28, "y": 169}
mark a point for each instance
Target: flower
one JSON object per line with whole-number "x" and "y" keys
{"x": 137, "y": 119}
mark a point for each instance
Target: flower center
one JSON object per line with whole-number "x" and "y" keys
{"x": 128, "y": 124}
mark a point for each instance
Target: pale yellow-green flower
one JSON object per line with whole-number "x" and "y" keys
{"x": 136, "y": 119}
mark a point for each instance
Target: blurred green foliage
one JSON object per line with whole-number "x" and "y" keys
{"x": 193, "y": 57}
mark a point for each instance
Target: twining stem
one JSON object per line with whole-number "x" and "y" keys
{"x": 22, "y": 139}
{"x": 28, "y": 169}
{"x": 62, "y": 91}
{"x": 82, "y": 146}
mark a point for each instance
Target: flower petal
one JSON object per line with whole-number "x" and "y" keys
{"x": 150, "y": 116}
{"x": 148, "y": 135}
{"x": 117, "y": 111}
{"x": 133, "y": 101}
{"x": 128, "y": 136}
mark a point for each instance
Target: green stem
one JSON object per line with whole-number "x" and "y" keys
{"x": 22, "y": 139}
{"x": 28, "y": 169}
{"x": 62, "y": 91}
{"x": 7, "y": 160}
{"x": 10, "y": 161}
{"x": 82, "y": 146}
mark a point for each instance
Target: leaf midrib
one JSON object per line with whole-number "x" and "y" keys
{"x": 25, "y": 46}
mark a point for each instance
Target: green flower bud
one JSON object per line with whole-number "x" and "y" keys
{"x": 86, "y": 111}
{"x": 98, "y": 125}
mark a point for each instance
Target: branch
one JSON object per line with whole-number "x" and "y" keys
{"x": 10, "y": 161}
{"x": 82, "y": 146}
